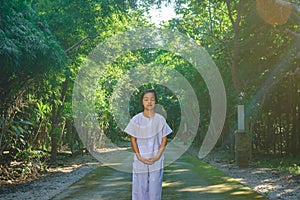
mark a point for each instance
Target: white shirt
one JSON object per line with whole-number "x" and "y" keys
{"x": 149, "y": 133}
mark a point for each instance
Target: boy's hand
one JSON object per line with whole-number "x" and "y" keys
{"x": 155, "y": 158}
{"x": 147, "y": 161}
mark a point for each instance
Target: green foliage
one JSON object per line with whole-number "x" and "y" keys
{"x": 44, "y": 43}
{"x": 90, "y": 21}
{"x": 28, "y": 50}
{"x": 28, "y": 45}
{"x": 285, "y": 164}
{"x": 15, "y": 139}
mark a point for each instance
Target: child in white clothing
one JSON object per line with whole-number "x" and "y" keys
{"x": 148, "y": 131}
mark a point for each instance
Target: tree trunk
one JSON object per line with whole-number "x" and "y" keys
{"x": 294, "y": 117}
{"x": 53, "y": 133}
{"x": 56, "y": 119}
{"x": 235, "y": 55}
{"x": 70, "y": 135}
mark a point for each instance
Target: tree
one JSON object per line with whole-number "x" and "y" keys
{"x": 28, "y": 50}
{"x": 80, "y": 26}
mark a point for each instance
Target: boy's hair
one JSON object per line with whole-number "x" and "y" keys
{"x": 145, "y": 92}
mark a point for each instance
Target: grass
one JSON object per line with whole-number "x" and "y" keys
{"x": 191, "y": 178}
{"x": 285, "y": 164}
{"x": 288, "y": 164}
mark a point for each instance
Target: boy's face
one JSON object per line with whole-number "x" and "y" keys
{"x": 149, "y": 101}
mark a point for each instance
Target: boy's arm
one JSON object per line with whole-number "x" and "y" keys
{"x": 161, "y": 149}
{"x": 137, "y": 152}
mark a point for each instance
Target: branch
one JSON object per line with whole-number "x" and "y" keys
{"x": 293, "y": 34}
{"x": 230, "y": 12}
{"x": 78, "y": 44}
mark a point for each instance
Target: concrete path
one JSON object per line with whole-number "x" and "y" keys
{"x": 187, "y": 178}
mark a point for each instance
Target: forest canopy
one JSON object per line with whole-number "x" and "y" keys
{"x": 254, "y": 44}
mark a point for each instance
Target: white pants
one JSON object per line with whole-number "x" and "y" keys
{"x": 147, "y": 185}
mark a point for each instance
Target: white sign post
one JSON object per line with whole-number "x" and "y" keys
{"x": 241, "y": 118}
{"x": 242, "y": 144}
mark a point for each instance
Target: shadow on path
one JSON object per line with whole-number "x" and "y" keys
{"x": 191, "y": 178}
{"x": 187, "y": 178}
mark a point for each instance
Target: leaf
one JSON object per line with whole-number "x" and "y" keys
{"x": 21, "y": 129}
{"x": 16, "y": 130}
{"x": 22, "y": 141}
{"x": 26, "y": 122}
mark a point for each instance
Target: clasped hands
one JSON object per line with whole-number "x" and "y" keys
{"x": 148, "y": 161}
